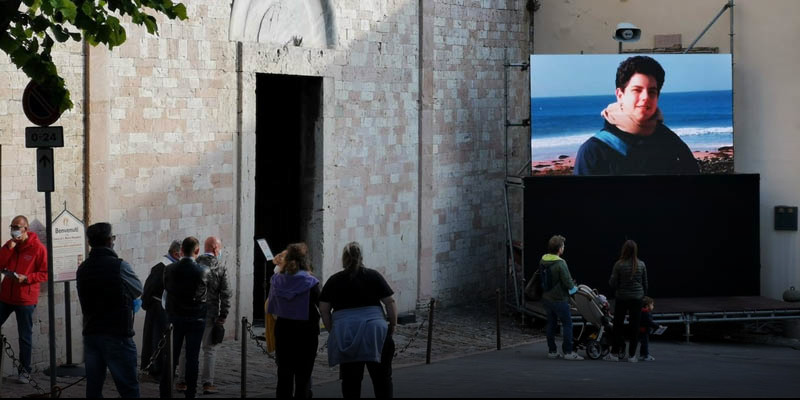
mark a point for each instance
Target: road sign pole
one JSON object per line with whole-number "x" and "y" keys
{"x": 51, "y": 299}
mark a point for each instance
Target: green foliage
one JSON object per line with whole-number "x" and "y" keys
{"x": 27, "y": 34}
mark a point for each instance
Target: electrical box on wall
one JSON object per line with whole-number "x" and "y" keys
{"x": 785, "y": 218}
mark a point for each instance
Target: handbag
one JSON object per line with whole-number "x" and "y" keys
{"x": 533, "y": 290}
{"x": 217, "y": 333}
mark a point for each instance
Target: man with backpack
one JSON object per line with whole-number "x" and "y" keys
{"x": 557, "y": 287}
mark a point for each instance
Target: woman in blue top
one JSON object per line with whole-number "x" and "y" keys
{"x": 294, "y": 297}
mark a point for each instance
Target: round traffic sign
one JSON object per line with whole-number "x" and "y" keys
{"x": 39, "y": 105}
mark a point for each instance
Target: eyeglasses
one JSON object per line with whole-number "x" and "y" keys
{"x": 12, "y": 226}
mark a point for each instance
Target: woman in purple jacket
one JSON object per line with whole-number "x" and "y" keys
{"x": 294, "y": 298}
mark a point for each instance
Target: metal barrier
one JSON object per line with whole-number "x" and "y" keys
{"x": 2, "y": 340}
{"x": 499, "y": 305}
{"x": 430, "y": 331}
{"x": 18, "y": 366}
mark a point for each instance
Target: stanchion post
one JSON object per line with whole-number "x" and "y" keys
{"x": 244, "y": 357}
{"x": 430, "y": 331}
{"x": 498, "y": 318}
{"x": 170, "y": 373}
{"x": 2, "y": 342}
{"x": 68, "y": 321}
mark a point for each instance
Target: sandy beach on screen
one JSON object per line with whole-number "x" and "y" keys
{"x": 710, "y": 162}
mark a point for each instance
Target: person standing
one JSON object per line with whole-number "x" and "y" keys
{"x": 294, "y": 297}
{"x": 23, "y": 260}
{"x": 107, "y": 288}
{"x": 645, "y": 326}
{"x": 629, "y": 280}
{"x": 155, "y": 321}
{"x": 186, "y": 284}
{"x": 557, "y": 285}
{"x": 359, "y": 333}
{"x": 218, "y": 303}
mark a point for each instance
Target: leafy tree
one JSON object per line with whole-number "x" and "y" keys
{"x": 27, "y": 34}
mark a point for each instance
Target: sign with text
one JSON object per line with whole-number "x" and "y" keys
{"x": 262, "y": 244}
{"x": 50, "y": 136}
{"x": 69, "y": 246}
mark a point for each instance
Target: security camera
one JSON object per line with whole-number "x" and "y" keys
{"x": 627, "y": 32}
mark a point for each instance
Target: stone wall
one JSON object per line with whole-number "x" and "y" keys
{"x": 471, "y": 42}
{"x": 410, "y": 142}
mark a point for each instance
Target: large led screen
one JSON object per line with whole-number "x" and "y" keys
{"x": 631, "y": 114}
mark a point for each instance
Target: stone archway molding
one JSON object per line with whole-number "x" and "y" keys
{"x": 307, "y": 23}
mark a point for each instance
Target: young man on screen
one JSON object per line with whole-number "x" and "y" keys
{"x": 634, "y": 139}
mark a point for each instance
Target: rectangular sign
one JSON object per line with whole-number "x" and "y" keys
{"x": 589, "y": 115}
{"x": 49, "y": 136}
{"x": 69, "y": 246}
{"x": 45, "y": 181}
{"x": 262, "y": 243}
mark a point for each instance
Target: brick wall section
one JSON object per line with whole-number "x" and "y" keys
{"x": 469, "y": 217}
{"x": 172, "y": 129}
{"x": 370, "y": 172}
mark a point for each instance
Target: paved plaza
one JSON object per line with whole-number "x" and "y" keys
{"x": 467, "y": 364}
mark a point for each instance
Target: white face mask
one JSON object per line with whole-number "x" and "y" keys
{"x": 16, "y": 234}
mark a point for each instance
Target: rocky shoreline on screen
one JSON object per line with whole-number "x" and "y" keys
{"x": 710, "y": 162}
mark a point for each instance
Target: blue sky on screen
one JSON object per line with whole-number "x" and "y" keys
{"x": 561, "y": 75}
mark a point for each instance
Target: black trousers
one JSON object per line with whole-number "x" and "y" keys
{"x": 295, "y": 351}
{"x": 380, "y": 373}
{"x": 634, "y": 310}
{"x": 155, "y": 324}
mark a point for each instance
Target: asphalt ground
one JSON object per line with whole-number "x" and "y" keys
{"x": 680, "y": 370}
{"x": 722, "y": 361}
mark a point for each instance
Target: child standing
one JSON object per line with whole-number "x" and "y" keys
{"x": 647, "y": 324}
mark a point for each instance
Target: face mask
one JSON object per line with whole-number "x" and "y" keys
{"x": 16, "y": 234}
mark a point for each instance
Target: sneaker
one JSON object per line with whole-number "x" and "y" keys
{"x": 611, "y": 357}
{"x": 573, "y": 356}
{"x": 180, "y": 387}
{"x": 648, "y": 358}
{"x": 208, "y": 388}
{"x": 23, "y": 379}
{"x": 554, "y": 355}
{"x": 633, "y": 359}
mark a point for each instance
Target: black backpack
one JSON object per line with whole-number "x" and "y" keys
{"x": 540, "y": 282}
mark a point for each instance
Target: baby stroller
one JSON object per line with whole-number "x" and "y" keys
{"x": 595, "y": 336}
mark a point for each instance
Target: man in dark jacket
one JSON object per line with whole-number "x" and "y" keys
{"x": 186, "y": 284}
{"x": 218, "y": 302}
{"x": 107, "y": 288}
{"x": 23, "y": 260}
{"x": 557, "y": 285}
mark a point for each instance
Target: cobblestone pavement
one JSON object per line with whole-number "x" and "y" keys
{"x": 458, "y": 331}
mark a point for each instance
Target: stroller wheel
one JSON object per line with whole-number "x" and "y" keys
{"x": 594, "y": 350}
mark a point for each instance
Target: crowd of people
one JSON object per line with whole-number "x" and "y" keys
{"x": 629, "y": 282}
{"x": 191, "y": 293}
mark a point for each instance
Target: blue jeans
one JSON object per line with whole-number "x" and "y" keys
{"x": 644, "y": 341}
{"x": 115, "y": 353}
{"x": 558, "y": 310}
{"x": 24, "y": 316}
{"x": 191, "y": 330}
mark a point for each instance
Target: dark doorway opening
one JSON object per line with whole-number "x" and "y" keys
{"x": 288, "y": 125}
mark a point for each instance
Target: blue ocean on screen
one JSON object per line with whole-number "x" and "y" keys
{"x": 559, "y": 125}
